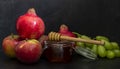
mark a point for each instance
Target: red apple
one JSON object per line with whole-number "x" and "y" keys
{"x": 9, "y": 43}
{"x": 28, "y": 51}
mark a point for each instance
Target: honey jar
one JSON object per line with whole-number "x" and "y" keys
{"x": 58, "y": 51}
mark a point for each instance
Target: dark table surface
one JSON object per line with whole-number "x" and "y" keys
{"x": 78, "y": 62}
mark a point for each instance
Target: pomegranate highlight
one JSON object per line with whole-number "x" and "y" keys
{"x": 30, "y": 25}
{"x": 64, "y": 30}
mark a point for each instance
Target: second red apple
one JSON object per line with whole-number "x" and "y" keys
{"x": 28, "y": 51}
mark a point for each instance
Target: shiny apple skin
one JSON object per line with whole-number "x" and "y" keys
{"x": 8, "y": 45}
{"x": 28, "y": 52}
{"x": 30, "y": 26}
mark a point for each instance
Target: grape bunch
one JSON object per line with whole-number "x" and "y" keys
{"x": 109, "y": 50}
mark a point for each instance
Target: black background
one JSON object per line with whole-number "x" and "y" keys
{"x": 89, "y": 17}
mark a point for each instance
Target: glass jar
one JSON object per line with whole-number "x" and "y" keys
{"x": 58, "y": 51}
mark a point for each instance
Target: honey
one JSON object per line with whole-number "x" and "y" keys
{"x": 58, "y": 51}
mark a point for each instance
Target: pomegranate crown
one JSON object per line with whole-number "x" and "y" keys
{"x": 31, "y": 11}
{"x": 63, "y": 28}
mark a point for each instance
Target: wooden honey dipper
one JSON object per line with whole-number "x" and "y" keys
{"x": 56, "y": 36}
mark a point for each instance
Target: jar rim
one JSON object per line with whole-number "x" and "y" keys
{"x": 58, "y": 43}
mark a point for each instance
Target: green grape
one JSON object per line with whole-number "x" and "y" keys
{"x": 77, "y": 34}
{"x": 115, "y": 45}
{"x": 101, "y": 38}
{"x": 101, "y": 51}
{"x": 85, "y": 37}
{"x": 117, "y": 52}
{"x": 89, "y": 45}
{"x": 94, "y": 49}
{"x": 108, "y": 45}
{"x": 110, "y": 54}
{"x": 80, "y": 44}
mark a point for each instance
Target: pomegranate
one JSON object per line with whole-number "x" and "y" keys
{"x": 64, "y": 30}
{"x": 30, "y": 25}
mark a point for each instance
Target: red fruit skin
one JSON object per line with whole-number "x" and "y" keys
{"x": 64, "y": 30}
{"x": 8, "y": 45}
{"x": 30, "y": 25}
{"x": 68, "y": 33}
{"x": 27, "y": 52}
